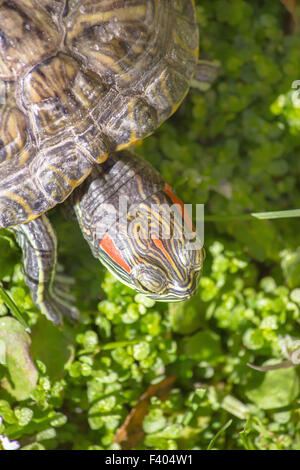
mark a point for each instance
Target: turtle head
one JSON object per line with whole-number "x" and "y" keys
{"x": 152, "y": 248}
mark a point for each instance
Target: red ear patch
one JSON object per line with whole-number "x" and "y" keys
{"x": 178, "y": 201}
{"x": 113, "y": 252}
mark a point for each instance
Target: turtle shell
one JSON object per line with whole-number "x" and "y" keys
{"x": 80, "y": 79}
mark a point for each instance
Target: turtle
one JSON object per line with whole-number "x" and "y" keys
{"x": 84, "y": 80}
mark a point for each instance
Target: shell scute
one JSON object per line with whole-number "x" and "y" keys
{"x": 30, "y": 33}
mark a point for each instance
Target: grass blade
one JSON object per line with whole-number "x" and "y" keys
{"x": 223, "y": 429}
{"x": 10, "y": 304}
{"x": 257, "y": 215}
{"x": 277, "y": 214}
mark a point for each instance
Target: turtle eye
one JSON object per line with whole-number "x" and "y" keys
{"x": 150, "y": 279}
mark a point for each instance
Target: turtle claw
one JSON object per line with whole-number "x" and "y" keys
{"x": 60, "y": 291}
{"x": 49, "y": 287}
{"x": 55, "y": 308}
{"x": 64, "y": 279}
{"x": 61, "y": 300}
{"x": 58, "y": 302}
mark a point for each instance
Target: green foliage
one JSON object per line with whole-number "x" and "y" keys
{"x": 20, "y": 375}
{"x": 276, "y": 389}
{"x": 235, "y": 149}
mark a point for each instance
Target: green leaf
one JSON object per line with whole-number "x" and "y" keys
{"x": 235, "y": 407}
{"x": 290, "y": 263}
{"x": 186, "y": 317}
{"x": 21, "y": 377}
{"x": 2, "y": 352}
{"x": 52, "y": 346}
{"x": 203, "y": 346}
{"x": 154, "y": 421}
{"x": 34, "y": 446}
{"x": 274, "y": 389}
{"x": 8, "y": 252}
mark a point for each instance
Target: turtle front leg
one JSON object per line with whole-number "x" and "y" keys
{"x": 39, "y": 245}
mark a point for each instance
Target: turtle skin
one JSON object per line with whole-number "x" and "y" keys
{"x": 81, "y": 79}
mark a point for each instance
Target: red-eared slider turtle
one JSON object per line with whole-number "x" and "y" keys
{"x": 83, "y": 80}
